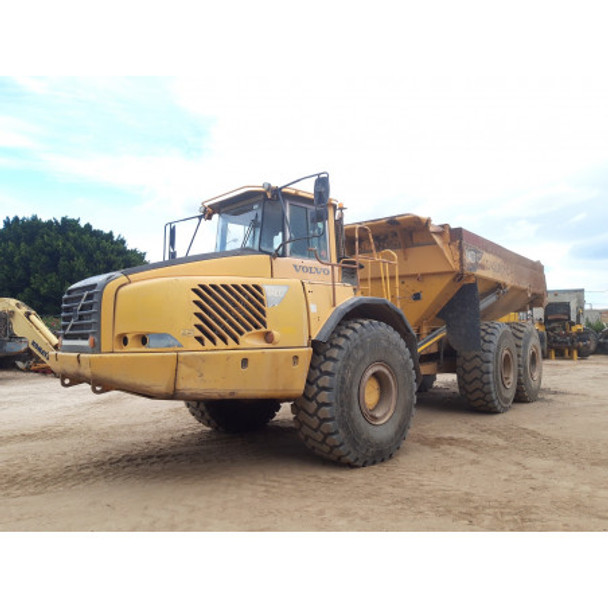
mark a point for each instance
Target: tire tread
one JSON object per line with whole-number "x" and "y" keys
{"x": 475, "y": 371}
{"x": 314, "y": 413}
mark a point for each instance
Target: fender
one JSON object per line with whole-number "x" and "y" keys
{"x": 379, "y": 310}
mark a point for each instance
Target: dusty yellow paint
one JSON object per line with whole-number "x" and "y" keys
{"x": 372, "y": 393}
{"x": 321, "y": 304}
{"x": 170, "y": 309}
{"x": 302, "y": 269}
{"x": 246, "y": 374}
{"x": 512, "y": 317}
{"x": 247, "y": 266}
{"x": 269, "y": 373}
{"x": 107, "y": 312}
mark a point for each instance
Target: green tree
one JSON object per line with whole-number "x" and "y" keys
{"x": 597, "y": 326}
{"x": 40, "y": 259}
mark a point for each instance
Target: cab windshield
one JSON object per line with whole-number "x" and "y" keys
{"x": 260, "y": 224}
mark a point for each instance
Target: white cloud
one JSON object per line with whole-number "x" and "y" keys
{"x": 36, "y": 85}
{"x": 544, "y": 199}
{"x": 450, "y": 106}
{"x": 15, "y": 133}
{"x": 473, "y": 115}
{"x": 163, "y": 178}
{"x": 579, "y": 217}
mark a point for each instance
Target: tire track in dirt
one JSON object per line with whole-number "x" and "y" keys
{"x": 528, "y": 443}
{"x": 194, "y": 455}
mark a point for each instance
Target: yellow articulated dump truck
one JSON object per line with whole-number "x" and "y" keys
{"x": 346, "y": 322}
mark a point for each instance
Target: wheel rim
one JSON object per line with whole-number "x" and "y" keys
{"x": 507, "y": 368}
{"x": 378, "y": 393}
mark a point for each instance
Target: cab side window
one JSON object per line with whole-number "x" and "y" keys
{"x": 306, "y": 233}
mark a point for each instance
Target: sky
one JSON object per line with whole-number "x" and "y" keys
{"x": 489, "y": 116}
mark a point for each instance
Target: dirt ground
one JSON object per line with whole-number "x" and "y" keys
{"x": 71, "y": 460}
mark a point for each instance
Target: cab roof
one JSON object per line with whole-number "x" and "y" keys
{"x": 244, "y": 192}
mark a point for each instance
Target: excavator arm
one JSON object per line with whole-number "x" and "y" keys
{"x": 21, "y": 328}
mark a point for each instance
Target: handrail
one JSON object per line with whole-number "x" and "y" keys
{"x": 376, "y": 258}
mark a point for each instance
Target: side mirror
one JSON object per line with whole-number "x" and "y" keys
{"x": 321, "y": 191}
{"x": 318, "y": 215}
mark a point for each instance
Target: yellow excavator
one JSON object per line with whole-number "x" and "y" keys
{"x": 24, "y": 338}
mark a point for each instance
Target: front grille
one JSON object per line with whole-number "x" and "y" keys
{"x": 80, "y": 314}
{"x": 226, "y": 312}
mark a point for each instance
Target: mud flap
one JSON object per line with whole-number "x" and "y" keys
{"x": 463, "y": 319}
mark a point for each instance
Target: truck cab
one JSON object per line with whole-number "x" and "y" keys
{"x": 216, "y": 318}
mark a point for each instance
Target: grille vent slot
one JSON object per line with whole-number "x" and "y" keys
{"x": 228, "y": 311}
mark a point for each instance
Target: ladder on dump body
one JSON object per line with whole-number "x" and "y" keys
{"x": 384, "y": 261}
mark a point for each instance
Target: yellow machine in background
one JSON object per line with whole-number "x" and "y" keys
{"x": 563, "y": 325}
{"x": 23, "y": 334}
{"x": 345, "y": 322}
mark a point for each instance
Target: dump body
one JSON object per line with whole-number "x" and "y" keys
{"x": 433, "y": 262}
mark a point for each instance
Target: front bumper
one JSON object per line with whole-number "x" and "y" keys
{"x": 237, "y": 374}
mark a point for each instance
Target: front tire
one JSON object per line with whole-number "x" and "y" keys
{"x": 487, "y": 379}
{"x": 360, "y": 395}
{"x": 231, "y": 416}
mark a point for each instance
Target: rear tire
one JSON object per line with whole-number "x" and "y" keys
{"x": 360, "y": 395}
{"x": 230, "y": 416}
{"x": 529, "y": 362}
{"x": 487, "y": 379}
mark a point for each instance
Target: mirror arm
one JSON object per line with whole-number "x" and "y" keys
{"x": 200, "y": 219}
